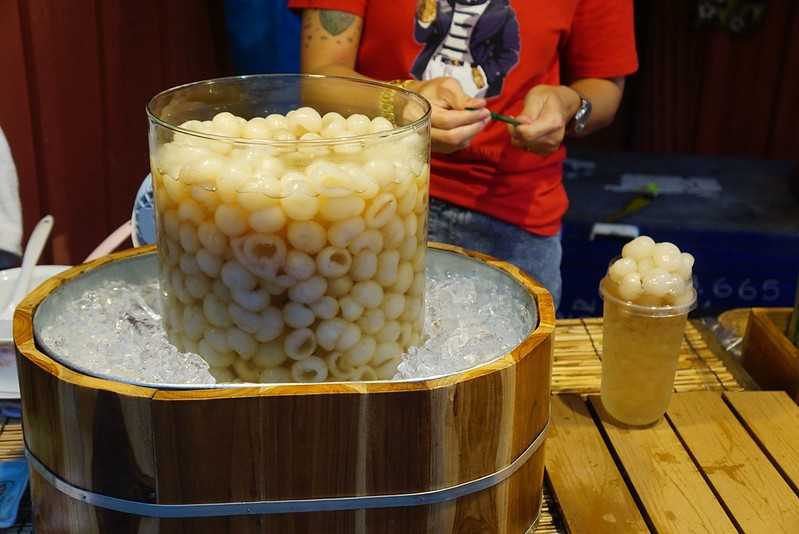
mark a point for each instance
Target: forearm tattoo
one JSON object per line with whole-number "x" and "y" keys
{"x": 335, "y": 22}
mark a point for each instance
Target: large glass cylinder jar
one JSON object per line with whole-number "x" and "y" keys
{"x": 292, "y": 224}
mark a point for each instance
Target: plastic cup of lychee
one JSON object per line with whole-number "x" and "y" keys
{"x": 648, "y": 294}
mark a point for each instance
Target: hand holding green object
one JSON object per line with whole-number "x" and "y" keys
{"x": 501, "y": 118}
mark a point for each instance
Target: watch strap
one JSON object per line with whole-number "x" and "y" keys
{"x": 580, "y": 119}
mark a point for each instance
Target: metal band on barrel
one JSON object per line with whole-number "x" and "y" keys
{"x": 285, "y": 506}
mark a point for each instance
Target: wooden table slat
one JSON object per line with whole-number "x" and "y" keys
{"x": 674, "y": 493}
{"x": 743, "y": 477}
{"x": 589, "y": 488}
{"x": 773, "y": 419}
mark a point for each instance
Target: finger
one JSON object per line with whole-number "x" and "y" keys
{"x": 449, "y": 119}
{"x": 453, "y": 99}
{"x": 543, "y": 149}
{"x": 436, "y": 101}
{"x": 457, "y": 136}
{"x": 412, "y": 111}
{"x": 432, "y": 93}
{"x": 551, "y": 142}
{"x": 451, "y": 92}
{"x": 442, "y": 148}
{"x": 545, "y": 144}
{"x": 548, "y": 148}
{"x": 476, "y": 103}
{"x": 540, "y": 147}
{"x": 513, "y": 127}
{"x": 546, "y": 125}
{"x": 536, "y": 135}
{"x": 537, "y": 129}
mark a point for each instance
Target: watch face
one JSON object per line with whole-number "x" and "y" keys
{"x": 581, "y": 117}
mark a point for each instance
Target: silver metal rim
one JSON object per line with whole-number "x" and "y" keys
{"x": 286, "y": 506}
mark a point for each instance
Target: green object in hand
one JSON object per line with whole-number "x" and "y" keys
{"x": 500, "y": 117}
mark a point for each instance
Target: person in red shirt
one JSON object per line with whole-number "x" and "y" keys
{"x": 495, "y": 188}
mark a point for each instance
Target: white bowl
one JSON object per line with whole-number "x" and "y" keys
{"x": 9, "y": 386}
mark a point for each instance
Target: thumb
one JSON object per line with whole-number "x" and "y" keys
{"x": 476, "y": 103}
{"x": 454, "y": 96}
{"x": 546, "y": 124}
{"x": 523, "y": 120}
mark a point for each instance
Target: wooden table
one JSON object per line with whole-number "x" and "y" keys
{"x": 719, "y": 462}
{"x": 722, "y": 460}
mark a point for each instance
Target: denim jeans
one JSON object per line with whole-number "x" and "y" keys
{"x": 538, "y": 255}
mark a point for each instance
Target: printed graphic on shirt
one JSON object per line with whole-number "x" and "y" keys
{"x": 474, "y": 41}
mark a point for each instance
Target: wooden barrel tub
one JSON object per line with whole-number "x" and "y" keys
{"x": 462, "y": 453}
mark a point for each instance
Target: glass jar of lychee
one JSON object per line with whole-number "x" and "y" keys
{"x": 292, "y": 224}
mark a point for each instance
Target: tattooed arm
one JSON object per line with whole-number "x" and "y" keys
{"x": 330, "y": 41}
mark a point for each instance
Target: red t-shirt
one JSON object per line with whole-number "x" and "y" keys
{"x": 498, "y": 49}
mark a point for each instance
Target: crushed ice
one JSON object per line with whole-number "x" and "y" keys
{"x": 115, "y": 330}
{"x": 468, "y": 321}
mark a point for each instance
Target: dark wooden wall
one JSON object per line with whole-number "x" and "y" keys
{"x": 78, "y": 73}
{"x": 708, "y": 92}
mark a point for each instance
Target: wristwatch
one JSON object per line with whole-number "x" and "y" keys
{"x": 580, "y": 120}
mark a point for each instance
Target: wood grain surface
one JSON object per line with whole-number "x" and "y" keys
{"x": 589, "y": 488}
{"x": 768, "y": 355}
{"x": 751, "y": 488}
{"x": 671, "y": 488}
{"x": 773, "y": 420}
